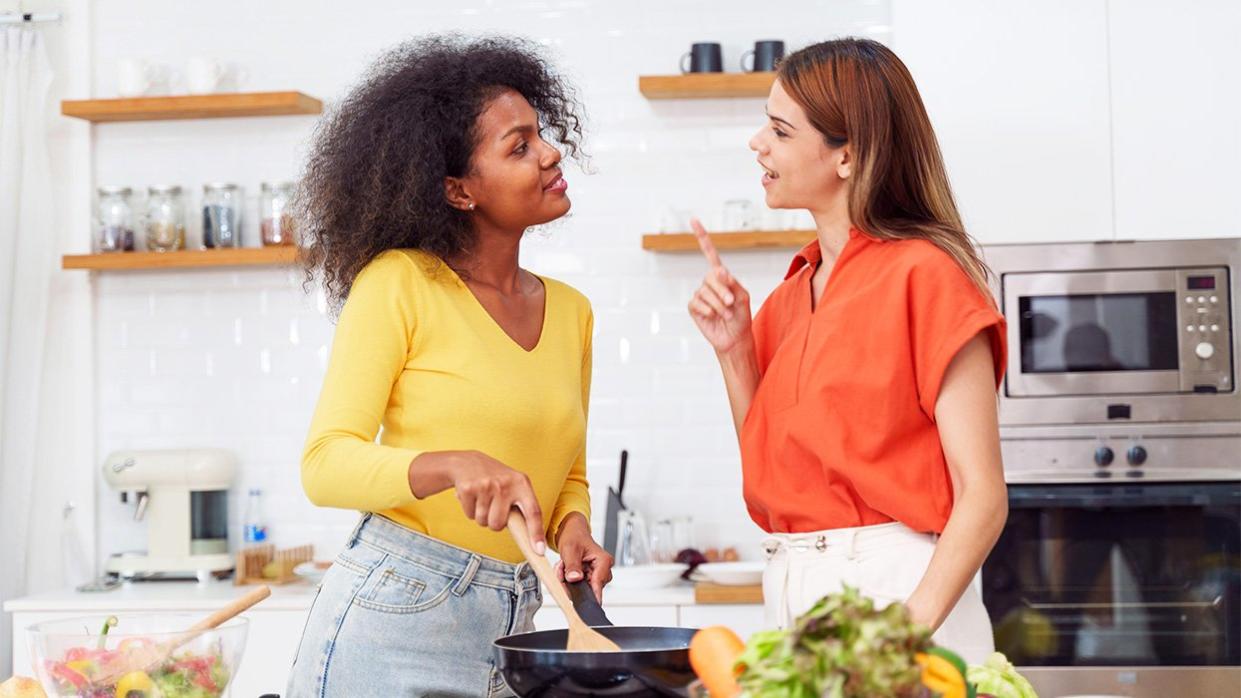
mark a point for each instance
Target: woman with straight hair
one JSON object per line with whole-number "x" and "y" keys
{"x": 864, "y": 391}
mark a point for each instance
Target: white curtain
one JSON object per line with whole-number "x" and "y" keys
{"x": 27, "y": 261}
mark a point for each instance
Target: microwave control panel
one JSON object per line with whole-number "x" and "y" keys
{"x": 1205, "y": 328}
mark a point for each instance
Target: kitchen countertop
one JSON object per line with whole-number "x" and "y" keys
{"x": 192, "y": 596}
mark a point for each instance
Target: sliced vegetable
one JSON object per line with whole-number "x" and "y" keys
{"x": 135, "y": 684}
{"x": 186, "y": 675}
{"x": 941, "y": 675}
{"x": 713, "y": 652}
{"x": 108, "y": 623}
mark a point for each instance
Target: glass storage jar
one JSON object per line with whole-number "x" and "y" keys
{"x": 275, "y": 218}
{"x": 114, "y": 220}
{"x": 165, "y": 218}
{"x": 221, "y": 215}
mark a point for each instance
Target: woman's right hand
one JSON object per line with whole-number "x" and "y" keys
{"x": 486, "y": 488}
{"x": 721, "y": 306}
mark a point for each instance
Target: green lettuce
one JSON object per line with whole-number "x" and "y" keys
{"x": 841, "y": 648}
{"x": 997, "y": 677}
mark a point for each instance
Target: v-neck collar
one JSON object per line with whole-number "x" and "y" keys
{"x": 491, "y": 320}
{"x": 808, "y": 259}
{"x": 812, "y": 254}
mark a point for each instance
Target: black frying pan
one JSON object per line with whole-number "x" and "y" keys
{"x": 653, "y": 661}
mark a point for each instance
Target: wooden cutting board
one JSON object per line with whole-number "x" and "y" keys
{"x": 708, "y": 593}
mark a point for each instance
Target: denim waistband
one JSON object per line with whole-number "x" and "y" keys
{"x": 420, "y": 549}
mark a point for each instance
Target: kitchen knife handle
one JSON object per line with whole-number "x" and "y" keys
{"x": 620, "y": 486}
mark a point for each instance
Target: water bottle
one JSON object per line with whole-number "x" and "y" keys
{"x": 255, "y": 526}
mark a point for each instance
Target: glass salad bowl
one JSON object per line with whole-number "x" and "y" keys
{"x": 135, "y": 655}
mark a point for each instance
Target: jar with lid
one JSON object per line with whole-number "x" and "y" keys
{"x": 221, "y": 215}
{"x": 165, "y": 218}
{"x": 114, "y": 220}
{"x": 275, "y": 218}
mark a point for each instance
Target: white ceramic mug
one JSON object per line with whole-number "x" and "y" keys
{"x": 233, "y": 78}
{"x": 203, "y": 75}
{"x": 133, "y": 77}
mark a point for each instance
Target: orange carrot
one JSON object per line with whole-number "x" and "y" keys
{"x": 713, "y": 652}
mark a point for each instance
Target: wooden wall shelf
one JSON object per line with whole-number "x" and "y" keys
{"x": 706, "y": 85}
{"x": 192, "y": 106}
{"x": 742, "y": 240}
{"x": 182, "y": 259}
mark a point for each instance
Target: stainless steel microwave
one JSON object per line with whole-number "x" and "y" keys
{"x": 1119, "y": 331}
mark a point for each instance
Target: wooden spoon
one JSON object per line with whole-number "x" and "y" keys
{"x": 582, "y": 637}
{"x": 149, "y": 657}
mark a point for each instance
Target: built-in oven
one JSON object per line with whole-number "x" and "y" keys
{"x": 1118, "y": 571}
{"x": 1120, "y": 587}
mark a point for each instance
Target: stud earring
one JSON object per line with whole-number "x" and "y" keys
{"x": 471, "y": 205}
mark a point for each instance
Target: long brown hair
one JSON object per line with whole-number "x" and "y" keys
{"x": 857, "y": 92}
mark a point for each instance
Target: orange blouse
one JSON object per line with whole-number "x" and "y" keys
{"x": 841, "y": 431}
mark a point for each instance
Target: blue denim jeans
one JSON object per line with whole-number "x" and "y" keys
{"x": 403, "y": 614}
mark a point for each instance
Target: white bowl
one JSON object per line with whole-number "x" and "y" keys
{"x": 655, "y": 576}
{"x": 740, "y": 573}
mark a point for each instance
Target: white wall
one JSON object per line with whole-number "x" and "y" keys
{"x": 1018, "y": 95}
{"x": 235, "y": 358}
{"x": 1042, "y": 128}
{"x": 1176, "y": 87}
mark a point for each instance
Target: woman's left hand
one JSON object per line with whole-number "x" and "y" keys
{"x": 581, "y": 556}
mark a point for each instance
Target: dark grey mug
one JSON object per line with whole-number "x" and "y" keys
{"x": 766, "y": 55}
{"x": 705, "y": 57}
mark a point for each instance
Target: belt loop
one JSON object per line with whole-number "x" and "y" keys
{"x": 520, "y": 571}
{"x": 357, "y": 530}
{"x": 852, "y": 553}
{"x": 770, "y": 547}
{"x": 471, "y": 568}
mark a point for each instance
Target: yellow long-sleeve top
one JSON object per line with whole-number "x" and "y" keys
{"x": 416, "y": 353}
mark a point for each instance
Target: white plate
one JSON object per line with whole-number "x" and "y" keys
{"x": 311, "y": 571}
{"x": 646, "y": 576}
{"x": 741, "y": 573}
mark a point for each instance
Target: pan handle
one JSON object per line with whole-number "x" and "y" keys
{"x": 587, "y": 606}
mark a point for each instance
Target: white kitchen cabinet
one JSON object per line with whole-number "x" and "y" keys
{"x": 1176, "y": 91}
{"x": 1018, "y": 95}
{"x": 549, "y": 617}
{"x": 745, "y": 620}
{"x": 270, "y": 645}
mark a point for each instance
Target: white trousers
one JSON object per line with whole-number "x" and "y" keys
{"x": 884, "y": 562}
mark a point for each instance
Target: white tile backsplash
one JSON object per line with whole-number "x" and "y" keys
{"x": 235, "y": 358}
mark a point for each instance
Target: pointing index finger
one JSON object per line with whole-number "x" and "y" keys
{"x": 705, "y": 244}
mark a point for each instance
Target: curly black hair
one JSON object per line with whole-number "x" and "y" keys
{"x": 374, "y": 179}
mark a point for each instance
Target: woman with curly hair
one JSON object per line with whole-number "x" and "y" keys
{"x": 415, "y": 198}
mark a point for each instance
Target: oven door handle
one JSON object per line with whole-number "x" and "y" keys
{"x": 1124, "y": 604}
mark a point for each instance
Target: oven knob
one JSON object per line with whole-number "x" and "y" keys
{"x": 1137, "y": 455}
{"x": 1103, "y": 456}
{"x": 1204, "y": 350}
